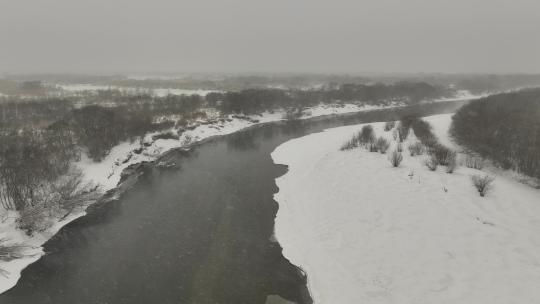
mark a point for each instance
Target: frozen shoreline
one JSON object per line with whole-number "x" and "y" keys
{"x": 368, "y": 233}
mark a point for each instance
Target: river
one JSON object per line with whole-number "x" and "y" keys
{"x": 199, "y": 233}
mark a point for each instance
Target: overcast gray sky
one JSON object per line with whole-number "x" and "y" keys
{"x": 351, "y": 36}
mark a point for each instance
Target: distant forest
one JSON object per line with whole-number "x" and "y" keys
{"x": 476, "y": 83}
{"x": 39, "y": 112}
{"x": 504, "y": 128}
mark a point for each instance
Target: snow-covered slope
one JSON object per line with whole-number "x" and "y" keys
{"x": 368, "y": 233}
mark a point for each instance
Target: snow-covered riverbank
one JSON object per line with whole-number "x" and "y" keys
{"x": 107, "y": 173}
{"x": 368, "y": 233}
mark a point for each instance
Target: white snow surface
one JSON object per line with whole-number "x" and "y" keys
{"x": 368, "y": 233}
{"x": 106, "y": 174}
{"x": 463, "y": 95}
{"x": 160, "y": 92}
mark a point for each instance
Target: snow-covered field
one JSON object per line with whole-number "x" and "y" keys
{"x": 107, "y": 173}
{"x": 463, "y": 95}
{"x": 368, "y": 233}
{"x": 74, "y": 88}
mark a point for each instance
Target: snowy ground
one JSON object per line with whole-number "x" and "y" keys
{"x": 106, "y": 174}
{"x": 463, "y": 95}
{"x": 74, "y": 88}
{"x": 368, "y": 233}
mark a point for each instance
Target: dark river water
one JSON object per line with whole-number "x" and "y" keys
{"x": 201, "y": 233}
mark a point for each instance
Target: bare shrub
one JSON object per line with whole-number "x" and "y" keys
{"x": 55, "y": 201}
{"x": 382, "y": 145}
{"x": 9, "y": 252}
{"x": 366, "y": 135}
{"x": 431, "y": 162}
{"x": 395, "y": 158}
{"x": 166, "y": 135}
{"x": 416, "y": 148}
{"x": 399, "y": 147}
{"x": 474, "y": 162}
{"x": 187, "y": 140}
{"x": 482, "y": 183}
{"x": 430, "y": 141}
{"x": 451, "y": 163}
{"x": 72, "y": 194}
{"x": 372, "y": 147}
{"x": 349, "y": 145}
{"x": 443, "y": 154}
{"x": 403, "y": 132}
{"x": 37, "y": 218}
{"x": 293, "y": 114}
{"x": 389, "y": 125}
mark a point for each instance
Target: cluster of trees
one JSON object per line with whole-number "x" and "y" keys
{"x": 27, "y": 87}
{"x": 259, "y": 100}
{"x": 37, "y": 179}
{"x": 16, "y": 112}
{"x": 441, "y": 154}
{"x": 99, "y": 129}
{"x": 504, "y": 128}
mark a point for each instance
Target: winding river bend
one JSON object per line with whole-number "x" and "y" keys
{"x": 199, "y": 233}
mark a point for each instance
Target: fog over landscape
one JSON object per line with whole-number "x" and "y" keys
{"x": 349, "y": 36}
{"x": 269, "y": 152}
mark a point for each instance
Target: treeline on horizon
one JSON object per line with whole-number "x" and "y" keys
{"x": 504, "y": 128}
{"x": 37, "y": 112}
{"x": 476, "y": 83}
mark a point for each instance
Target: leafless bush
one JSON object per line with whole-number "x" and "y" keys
{"x": 430, "y": 141}
{"x": 366, "y": 136}
{"x": 431, "y": 162}
{"x": 474, "y": 162}
{"x": 416, "y": 148}
{"x": 37, "y": 218}
{"x": 482, "y": 183}
{"x": 389, "y": 125}
{"x": 443, "y": 154}
{"x": 9, "y": 252}
{"x": 400, "y": 147}
{"x": 349, "y": 145}
{"x": 451, "y": 162}
{"x": 395, "y": 158}
{"x": 293, "y": 114}
{"x": 403, "y": 132}
{"x": 55, "y": 201}
{"x": 166, "y": 135}
{"x": 372, "y": 147}
{"x": 382, "y": 145}
{"x": 187, "y": 140}
{"x": 72, "y": 194}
